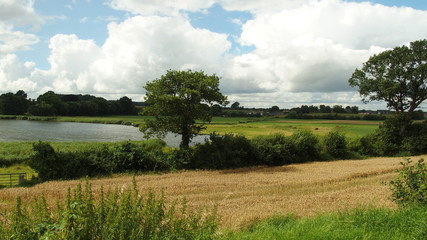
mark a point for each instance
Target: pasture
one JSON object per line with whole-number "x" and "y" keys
{"x": 252, "y": 126}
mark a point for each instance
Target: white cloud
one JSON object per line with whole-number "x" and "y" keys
{"x": 261, "y": 7}
{"x": 12, "y": 41}
{"x": 162, "y": 7}
{"x": 15, "y": 76}
{"x": 138, "y": 50}
{"x": 83, "y": 19}
{"x": 19, "y": 12}
{"x": 304, "y": 50}
{"x": 141, "y": 49}
{"x": 314, "y": 47}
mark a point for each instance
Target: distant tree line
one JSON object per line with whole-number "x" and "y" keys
{"x": 52, "y": 104}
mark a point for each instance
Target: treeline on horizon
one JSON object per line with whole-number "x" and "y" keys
{"x": 52, "y": 104}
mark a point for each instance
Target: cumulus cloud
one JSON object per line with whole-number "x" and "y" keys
{"x": 314, "y": 47}
{"x": 15, "y": 75}
{"x": 12, "y": 41}
{"x": 138, "y": 50}
{"x": 141, "y": 49}
{"x": 19, "y": 12}
{"x": 304, "y": 50}
{"x": 163, "y": 7}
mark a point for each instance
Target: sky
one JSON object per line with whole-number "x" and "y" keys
{"x": 270, "y": 52}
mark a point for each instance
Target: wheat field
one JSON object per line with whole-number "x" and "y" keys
{"x": 243, "y": 196}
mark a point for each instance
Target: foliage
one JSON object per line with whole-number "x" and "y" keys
{"x": 111, "y": 215}
{"x": 223, "y": 152}
{"x": 410, "y": 187}
{"x": 14, "y": 104}
{"x": 53, "y": 104}
{"x": 370, "y": 223}
{"x": 97, "y": 160}
{"x": 275, "y": 150}
{"x": 396, "y": 76}
{"x": 335, "y": 144}
{"x": 414, "y": 141}
{"x": 179, "y": 98}
{"x": 306, "y": 145}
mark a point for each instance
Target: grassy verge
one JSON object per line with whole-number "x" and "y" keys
{"x": 387, "y": 224}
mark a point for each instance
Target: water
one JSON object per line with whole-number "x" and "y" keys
{"x": 22, "y": 130}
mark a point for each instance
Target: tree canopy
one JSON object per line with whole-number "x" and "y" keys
{"x": 179, "y": 99}
{"x": 397, "y": 76}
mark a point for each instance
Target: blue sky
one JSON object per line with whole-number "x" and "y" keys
{"x": 271, "y": 52}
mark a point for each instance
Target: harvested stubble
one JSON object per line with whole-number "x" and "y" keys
{"x": 248, "y": 194}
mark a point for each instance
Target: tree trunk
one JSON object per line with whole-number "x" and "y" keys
{"x": 404, "y": 121}
{"x": 185, "y": 138}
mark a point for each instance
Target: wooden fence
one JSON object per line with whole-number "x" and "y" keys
{"x": 11, "y": 179}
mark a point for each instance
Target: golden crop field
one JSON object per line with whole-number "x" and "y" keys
{"x": 243, "y": 196}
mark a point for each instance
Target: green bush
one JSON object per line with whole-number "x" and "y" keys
{"x": 415, "y": 139}
{"x": 306, "y": 146}
{"x": 223, "y": 152}
{"x": 111, "y": 215}
{"x": 410, "y": 187}
{"x": 275, "y": 150}
{"x": 97, "y": 160}
{"x": 335, "y": 144}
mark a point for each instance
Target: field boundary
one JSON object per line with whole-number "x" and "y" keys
{"x": 12, "y": 179}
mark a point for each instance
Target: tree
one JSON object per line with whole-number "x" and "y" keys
{"x": 235, "y": 105}
{"x": 398, "y": 77}
{"x": 274, "y": 109}
{"x": 14, "y": 104}
{"x": 177, "y": 100}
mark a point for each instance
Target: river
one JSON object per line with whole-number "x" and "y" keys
{"x": 23, "y": 130}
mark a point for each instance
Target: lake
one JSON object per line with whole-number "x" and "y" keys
{"x": 23, "y": 130}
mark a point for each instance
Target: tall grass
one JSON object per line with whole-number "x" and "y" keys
{"x": 377, "y": 224}
{"x": 118, "y": 214}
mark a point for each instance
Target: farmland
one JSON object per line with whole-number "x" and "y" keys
{"x": 246, "y": 195}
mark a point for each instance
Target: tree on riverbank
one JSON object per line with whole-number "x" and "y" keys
{"x": 178, "y": 100}
{"x": 14, "y": 104}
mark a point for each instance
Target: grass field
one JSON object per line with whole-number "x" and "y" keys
{"x": 248, "y": 127}
{"x": 262, "y": 126}
{"x": 244, "y": 196}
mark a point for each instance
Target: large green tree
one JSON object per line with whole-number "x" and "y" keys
{"x": 180, "y": 102}
{"x": 398, "y": 77}
{"x": 14, "y": 104}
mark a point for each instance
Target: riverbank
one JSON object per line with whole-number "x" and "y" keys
{"x": 119, "y": 119}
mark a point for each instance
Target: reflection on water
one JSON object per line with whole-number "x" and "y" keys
{"x": 21, "y": 130}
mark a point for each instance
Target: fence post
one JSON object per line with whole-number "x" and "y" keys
{"x": 21, "y": 178}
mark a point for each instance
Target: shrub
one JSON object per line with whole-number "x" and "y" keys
{"x": 306, "y": 146}
{"x": 275, "y": 149}
{"x": 410, "y": 186}
{"x": 98, "y": 160}
{"x": 415, "y": 139}
{"x": 111, "y": 215}
{"x": 45, "y": 161}
{"x": 222, "y": 152}
{"x": 335, "y": 144}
